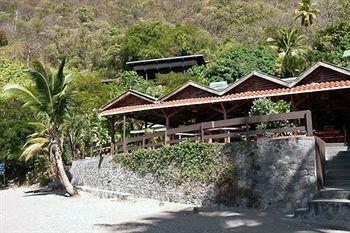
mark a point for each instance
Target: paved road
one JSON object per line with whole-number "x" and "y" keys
{"x": 43, "y": 212}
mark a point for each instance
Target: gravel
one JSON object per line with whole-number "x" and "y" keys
{"x": 24, "y": 210}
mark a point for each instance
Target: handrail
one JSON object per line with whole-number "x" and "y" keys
{"x": 203, "y": 131}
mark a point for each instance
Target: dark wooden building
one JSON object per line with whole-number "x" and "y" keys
{"x": 323, "y": 89}
{"x": 149, "y": 68}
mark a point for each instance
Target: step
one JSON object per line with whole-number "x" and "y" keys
{"x": 338, "y": 155}
{"x": 343, "y": 158}
{"x": 336, "y": 165}
{"x": 337, "y": 183}
{"x": 336, "y": 172}
{"x": 333, "y": 213}
{"x": 335, "y": 144}
{"x": 102, "y": 193}
{"x": 335, "y": 193}
{"x": 332, "y": 177}
{"x": 301, "y": 212}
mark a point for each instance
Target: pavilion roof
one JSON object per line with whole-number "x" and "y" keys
{"x": 308, "y": 88}
{"x": 320, "y": 77}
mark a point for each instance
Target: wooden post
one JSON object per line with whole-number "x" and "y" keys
{"x": 224, "y": 111}
{"x": 167, "y": 126}
{"x": 112, "y": 132}
{"x": 308, "y": 121}
{"x": 124, "y": 134}
{"x": 202, "y": 133}
{"x": 247, "y": 128}
{"x": 293, "y": 103}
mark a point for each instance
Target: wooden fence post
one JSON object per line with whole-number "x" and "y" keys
{"x": 308, "y": 121}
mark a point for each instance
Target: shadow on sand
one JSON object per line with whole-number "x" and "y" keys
{"x": 228, "y": 220}
{"x": 46, "y": 191}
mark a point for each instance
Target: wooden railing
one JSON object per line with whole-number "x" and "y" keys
{"x": 243, "y": 128}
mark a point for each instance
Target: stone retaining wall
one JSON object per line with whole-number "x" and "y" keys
{"x": 103, "y": 173}
{"x": 273, "y": 173}
{"x": 277, "y": 173}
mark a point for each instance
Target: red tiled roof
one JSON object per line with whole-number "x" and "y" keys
{"x": 314, "y": 87}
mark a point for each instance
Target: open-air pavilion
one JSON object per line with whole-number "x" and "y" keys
{"x": 323, "y": 89}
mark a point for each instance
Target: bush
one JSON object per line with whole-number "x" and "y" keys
{"x": 234, "y": 60}
{"x": 265, "y": 106}
{"x": 202, "y": 162}
{"x": 156, "y": 39}
{"x": 332, "y": 42}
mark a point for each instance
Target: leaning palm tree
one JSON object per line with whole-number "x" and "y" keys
{"x": 307, "y": 12}
{"x": 290, "y": 47}
{"x": 50, "y": 99}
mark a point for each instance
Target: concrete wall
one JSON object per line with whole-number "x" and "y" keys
{"x": 273, "y": 173}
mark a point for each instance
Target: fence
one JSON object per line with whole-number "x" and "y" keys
{"x": 243, "y": 128}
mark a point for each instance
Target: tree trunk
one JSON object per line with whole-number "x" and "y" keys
{"x": 62, "y": 176}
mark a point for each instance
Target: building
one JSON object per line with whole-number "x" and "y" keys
{"x": 323, "y": 89}
{"x": 149, "y": 68}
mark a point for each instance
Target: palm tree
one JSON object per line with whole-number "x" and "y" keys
{"x": 290, "y": 46}
{"x": 307, "y": 12}
{"x": 50, "y": 99}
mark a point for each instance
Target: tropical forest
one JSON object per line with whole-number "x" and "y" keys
{"x": 61, "y": 61}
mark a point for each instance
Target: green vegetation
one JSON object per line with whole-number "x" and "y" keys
{"x": 202, "y": 162}
{"x": 233, "y": 61}
{"x": 291, "y": 52}
{"x": 265, "y": 106}
{"x": 307, "y": 12}
{"x": 156, "y": 40}
{"x": 50, "y": 99}
{"x": 98, "y": 39}
{"x": 331, "y": 43}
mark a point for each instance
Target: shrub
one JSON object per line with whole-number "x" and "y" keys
{"x": 265, "y": 106}
{"x": 202, "y": 162}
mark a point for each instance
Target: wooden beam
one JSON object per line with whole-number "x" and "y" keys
{"x": 167, "y": 126}
{"x": 216, "y": 110}
{"x": 124, "y": 134}
{"x": 224, "y": 112}
{"x": 111, "y": 122}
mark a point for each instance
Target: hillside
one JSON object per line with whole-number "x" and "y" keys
{"x": 98, "y": 36}
{"x": 91, "y": 32}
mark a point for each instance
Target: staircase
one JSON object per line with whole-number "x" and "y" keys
{"x": 337, "y": 166}
{"x": 331, "y": 206}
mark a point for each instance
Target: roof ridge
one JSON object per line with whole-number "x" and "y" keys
{"x": 238, "y": 96}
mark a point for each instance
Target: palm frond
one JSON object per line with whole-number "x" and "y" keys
{"x": 59, "y": 78}
{"x": 22, "y": 93}
{"x": 36, "y": 140}
{"x": 35, "y": 148}
{"x": 42, "y": 85}
{"x": 67, "y": 79}
{"x": 38, "y": 125}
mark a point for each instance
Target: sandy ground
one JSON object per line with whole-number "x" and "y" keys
{"x": 24, "y": 211}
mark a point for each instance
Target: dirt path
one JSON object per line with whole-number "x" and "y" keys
{"x": 42, "y": 212}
